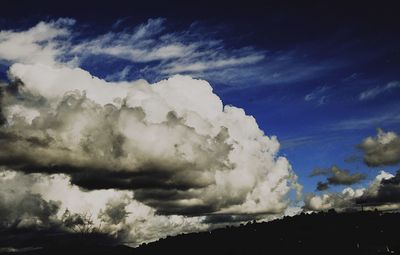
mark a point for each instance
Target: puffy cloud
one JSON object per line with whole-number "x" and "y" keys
{"x": 339, "y": 201}
{"x": 336, "y": 176}
{"x": 382, "y": 193}
{"x": 138, "y": 161}
{"x": 387, "y": 191}
{"x": 50, "y": 202}
{"x": 384, "y": 149}
{"x": 38, "y": 44}
{"x": 172, "y": 142}
{"x": 21, "y": 207}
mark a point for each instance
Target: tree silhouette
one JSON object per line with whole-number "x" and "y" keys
{"x": 79, "y": 223}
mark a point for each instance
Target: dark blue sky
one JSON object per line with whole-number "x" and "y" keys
{"x": 321, "y": 76}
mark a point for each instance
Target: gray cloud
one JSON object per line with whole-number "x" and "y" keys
{"x": 382, "y": 193}
{"x": 148, "y": 139}
{"x": 338, "y": 201}
{"x": 384, "y": 149}
{"x": 387, "y": 192}
{"x": 336, "y": 176}
{"x": 26, "y": 211}
{"x": 22, "y": 208}
{"x": 41, "y": 204}
{"x": 322, "y": 186}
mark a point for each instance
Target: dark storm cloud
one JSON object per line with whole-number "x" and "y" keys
{"x": 149, "y": 177}
{"x": 2, "y": 118}
{"x": 26, "y": 210}
{"x": 382, "y": 193}
{"x": 322, "y": 186}
{"x": 336, "y": 176}
{"x": 388, "y": 192}
{"x": 115, "y": 212}
{"x": 381, "y": 150}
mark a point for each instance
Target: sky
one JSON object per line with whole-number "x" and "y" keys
{"x": 157, "y": 115}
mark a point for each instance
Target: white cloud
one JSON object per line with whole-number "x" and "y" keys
{"x": 37, "y": 45}
{"x": 167, "y": 153}
{"x": 374, "y": 92}
{"x": 177, "y": 52}
{"x": 235, "y": 168}
{"x": 368, "y": 122}
{"x": 317, "y": 95}
{"x": 211, "y": 64}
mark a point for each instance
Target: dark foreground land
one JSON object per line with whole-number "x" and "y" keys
{"x": 322, "y": 233}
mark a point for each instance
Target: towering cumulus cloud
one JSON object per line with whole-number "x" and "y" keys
{"x": 172, "y": 144}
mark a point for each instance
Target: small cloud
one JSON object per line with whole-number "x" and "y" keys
{"x": 317, "y": 95}
{"x": 336, "y": 176}
{"x": 297, "y": 141}
{"x": 374, "y": 92}
{"x": 322, "y": 186}
{"x": 351, "y": 77}
{"x": 362, "y": 123}
{"x": 381, "y": 150}
{"x": 119, "y": 76}
{"x": 319, "y": 171}
{"x": 352, "y": 159}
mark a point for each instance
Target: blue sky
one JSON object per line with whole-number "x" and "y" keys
{"x": 319, "y": 77}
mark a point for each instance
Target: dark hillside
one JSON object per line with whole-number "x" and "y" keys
{"x": 322, "y": 233}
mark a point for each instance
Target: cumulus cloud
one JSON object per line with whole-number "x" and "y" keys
{"x": 336, "y": 176}
{"x": 39, "y": 44}
{"x": 382, "y": 193}
{"x": 172, "y": 142}
{"x": 145, "y": 160}
{"x": 50, "y": 202}
{"x": 383, "y": 149}
{"x": 338, "y": 201}
{"x": 22, "y": 208}
{"x": 387, "y": 192}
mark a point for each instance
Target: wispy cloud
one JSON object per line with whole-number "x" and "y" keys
{"x": 374, "y": 92}
{"x": 361, "y": 123}
{"x": 317, "y": 95}
{"x": 155, "y": 51}
{"x": 188, "y": 51}
{"x": 297, "y": 141}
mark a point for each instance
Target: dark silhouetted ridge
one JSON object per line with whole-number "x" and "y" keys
{"x": 318, "y": 233}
